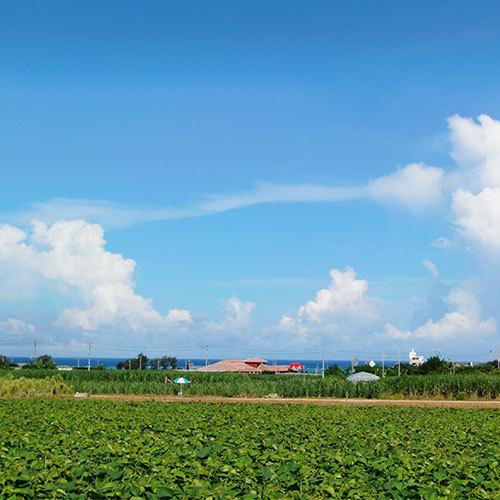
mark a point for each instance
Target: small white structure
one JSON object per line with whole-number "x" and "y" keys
{"x": 415, "y": 359}
{"x": 362, "y": 377}
{"x": 64, "y": 368}
{"x": 372, "y": 364}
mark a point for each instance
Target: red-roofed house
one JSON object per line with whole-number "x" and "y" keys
{"x": 250, "y": 365}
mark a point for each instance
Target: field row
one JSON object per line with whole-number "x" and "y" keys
{"x": 225, "y": 384}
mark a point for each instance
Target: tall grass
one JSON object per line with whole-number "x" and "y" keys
{"x": 22, "y": 386}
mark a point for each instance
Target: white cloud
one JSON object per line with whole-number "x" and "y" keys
{"x": 478, "y": 216}
{"x": 416, "y": 186}
{"x": 237, "y": 314}
{"x": 342, "y": 311}
{"x": 462, "y": 322}
{"x": 15, "y": 326}
{"x": 476, "y": 149}
{"x": 476, "y": 199}
{"x": 113, "y": 215}
{"x": 73, "y": 254}
{"x": 346, "y": 295}
{"x": 444, "y": 243}
{"x": 178, "y": 316}
{"x": 431, "y": 267}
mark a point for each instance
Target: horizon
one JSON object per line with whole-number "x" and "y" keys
{"x": 254, "y": 178}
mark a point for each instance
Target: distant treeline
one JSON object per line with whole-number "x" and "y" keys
{"x": 433, "y": 365}
{"x": 140, "y": 362}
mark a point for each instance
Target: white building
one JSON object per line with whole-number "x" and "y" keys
{"x": 415, "y": 359}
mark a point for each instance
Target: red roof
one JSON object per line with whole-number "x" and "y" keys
{"x": 229, "y": 365}
{"x": 255, "y": 359}
{"x": 243, "y": 366}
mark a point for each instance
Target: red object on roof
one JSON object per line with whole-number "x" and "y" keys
{"x": 296, "y": 367}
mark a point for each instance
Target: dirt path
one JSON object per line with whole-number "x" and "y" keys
{"x": 492, "y": 404}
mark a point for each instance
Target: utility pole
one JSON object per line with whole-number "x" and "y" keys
{"x": 34, "y": 350}
{"x": 78, "y": 361}
{"x": 90, "y": 354}
{"x": 498, "y": 359}
{"x": 206, "y": 355}
{"x": 383, "y": 365}
{"x": 399, "y": 362}
{"x": 323, "y": 365}
{"x": 129, "y": 362}
{"x": 354, "y": 363}
{"x": 140, "y": 362}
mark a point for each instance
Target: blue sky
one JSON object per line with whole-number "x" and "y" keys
{"x": 156, "y": 107}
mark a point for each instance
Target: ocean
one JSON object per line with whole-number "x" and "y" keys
{"x": 311, "y": 366}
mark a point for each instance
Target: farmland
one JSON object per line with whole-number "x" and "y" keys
{"x": 458, "y": 386}
{"x": 52, "y": 448}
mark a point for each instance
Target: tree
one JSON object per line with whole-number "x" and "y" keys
{"x": 164, "y": 363}
{"x": 435, "y": 365}
{"x": 4, "y": 362}
{"x": 138, "y": 363}
{"x": 335, "y": 370}
{"x": 44, "y": 362}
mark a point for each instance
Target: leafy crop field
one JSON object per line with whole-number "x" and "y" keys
{"x": 459, "y": 386}
{"x": 80, "y": 449}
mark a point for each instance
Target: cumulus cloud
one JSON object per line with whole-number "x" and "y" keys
{"x": 476, "y": 199}
{"x": 416, "y": 186}
{"x": 477, "y": 217}
{"x": 346, "y": 295}
{"x": 462, "y": 322}
{"x": 476, "y": 149}
{"x": 237, "y": 314}
{"x": 342, "y": 309}
{"x": 73, "y": 254}
{"x": 72, "y": 257}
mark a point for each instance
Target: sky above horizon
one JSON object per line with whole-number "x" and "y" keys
{"x": 267, "y": 178}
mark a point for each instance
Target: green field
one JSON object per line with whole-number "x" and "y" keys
{"x": 459, "y": 386}
{"x": 56, "y": 448}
